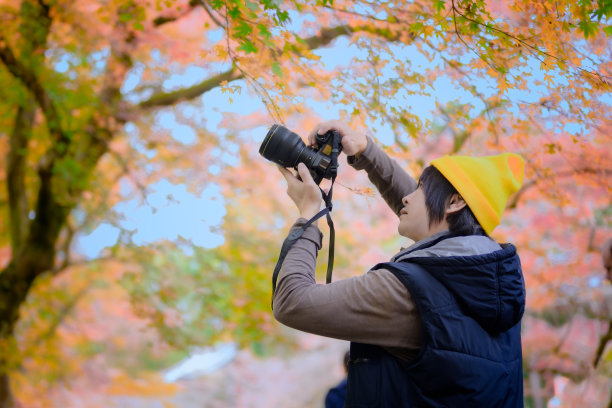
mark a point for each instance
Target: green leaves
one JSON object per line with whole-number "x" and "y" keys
{"x": 276, "y": 69}
{"x": 588, "y": 28}
{"x": 249, "y": 25}
{"x": 592, "y": 16}
{"x": 247, "y": 47}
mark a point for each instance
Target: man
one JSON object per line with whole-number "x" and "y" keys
{"x": 439, "y": 325}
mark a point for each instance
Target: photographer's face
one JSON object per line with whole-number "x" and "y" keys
{"x": 413, "y": 219}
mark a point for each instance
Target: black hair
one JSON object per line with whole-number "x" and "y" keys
{"x": 438, "y": 193}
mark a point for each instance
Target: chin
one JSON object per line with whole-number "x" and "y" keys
{"x": 404, "y": 234}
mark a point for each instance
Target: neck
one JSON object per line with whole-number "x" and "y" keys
{"x": 433, "y": 229}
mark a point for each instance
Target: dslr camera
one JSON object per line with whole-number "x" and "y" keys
{"x": 286, "y": 148}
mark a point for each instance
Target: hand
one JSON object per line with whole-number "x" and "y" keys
{"x": 305, "y": 193}
{"x": 353, "y": 143}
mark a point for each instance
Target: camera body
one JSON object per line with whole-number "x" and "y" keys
{"x": 286, "y": 148}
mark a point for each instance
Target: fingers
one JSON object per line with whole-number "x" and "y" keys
{"x": 312, "y": 136}
{"x": 305, "y": 174}
{"x": 288, "y": 175}
{"x": 325, "y": 127}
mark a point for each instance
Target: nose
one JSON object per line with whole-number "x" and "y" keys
{"x": 405, "y": 199}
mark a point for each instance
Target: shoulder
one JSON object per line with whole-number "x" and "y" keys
{"x": 386, "y": 287}
{"x": 469, "y": 245}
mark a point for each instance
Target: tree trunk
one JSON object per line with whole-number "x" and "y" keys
{"x": 6, "y": 396}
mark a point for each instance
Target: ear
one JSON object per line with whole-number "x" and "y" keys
{"x": 455, "y": 204}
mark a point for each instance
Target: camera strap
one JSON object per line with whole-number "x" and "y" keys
{"x": 297, "y": 233}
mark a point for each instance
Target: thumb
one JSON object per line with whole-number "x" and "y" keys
{"x": 305, "y": 174}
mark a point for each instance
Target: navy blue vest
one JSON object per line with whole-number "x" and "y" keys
{"x": 460, "y": 364}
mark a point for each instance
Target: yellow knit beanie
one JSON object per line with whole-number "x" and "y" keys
{"x": 485, "y": 183}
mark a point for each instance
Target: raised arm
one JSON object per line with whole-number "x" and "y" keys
{"x": 390, "y": 179}
{"x": 374, "y": 308}
{"x": 386, "y": 174}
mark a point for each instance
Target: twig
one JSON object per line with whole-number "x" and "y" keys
{"x": 204, "y": 5}
{"x": 454, "y": 9}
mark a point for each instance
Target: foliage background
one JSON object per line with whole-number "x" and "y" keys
{"x": 135, "y": 117}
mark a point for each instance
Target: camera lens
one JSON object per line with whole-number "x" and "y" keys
{"x": 286, "y": 148}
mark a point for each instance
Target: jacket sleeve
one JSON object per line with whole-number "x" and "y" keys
{"x": 375, "y": 308}
{"x": 389, "y": 178}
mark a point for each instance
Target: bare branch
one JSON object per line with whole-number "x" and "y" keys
{"x": 210, "y": 13}
{"x": 161, "y": 20}
{"x": 169, "y": 98}
{"x": 165, "y": 19}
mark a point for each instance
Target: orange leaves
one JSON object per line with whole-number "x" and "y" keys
{"x": 502, "y": 84}
{"x": 548, "y": 79}
{"x": 230, "y": 89}
{"x": 364, "y": 191}
{"x": 145, "y": 385}
{"x": 402, "y": 71}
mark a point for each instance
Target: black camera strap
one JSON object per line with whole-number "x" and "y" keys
{"x": 297, "y": 233}
{"x": 332, "y": 231}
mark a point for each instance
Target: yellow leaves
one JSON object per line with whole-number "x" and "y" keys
{"x": 427, "y": 31}
{"x": 576, "y": 61}
{"x": 597, "y": 81}
{"x": 310, "y": 55}
{"x": 230, "y": 89}
{"x": 548, "y": 79}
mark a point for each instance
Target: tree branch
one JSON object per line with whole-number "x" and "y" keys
{"x": 16, "y": 165}
{"x": 35, "y": 251}
{"x": 30, "y": 81}
{"x": 161, "y": 20}
{"x": 34, "y": 29}
{"x": 170, "y": 98}
{"x": 60, "y": 316}
{"x": 325, "y": 37}
{"x": 214, "y": 18}
{"x": 603, "y": 340}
